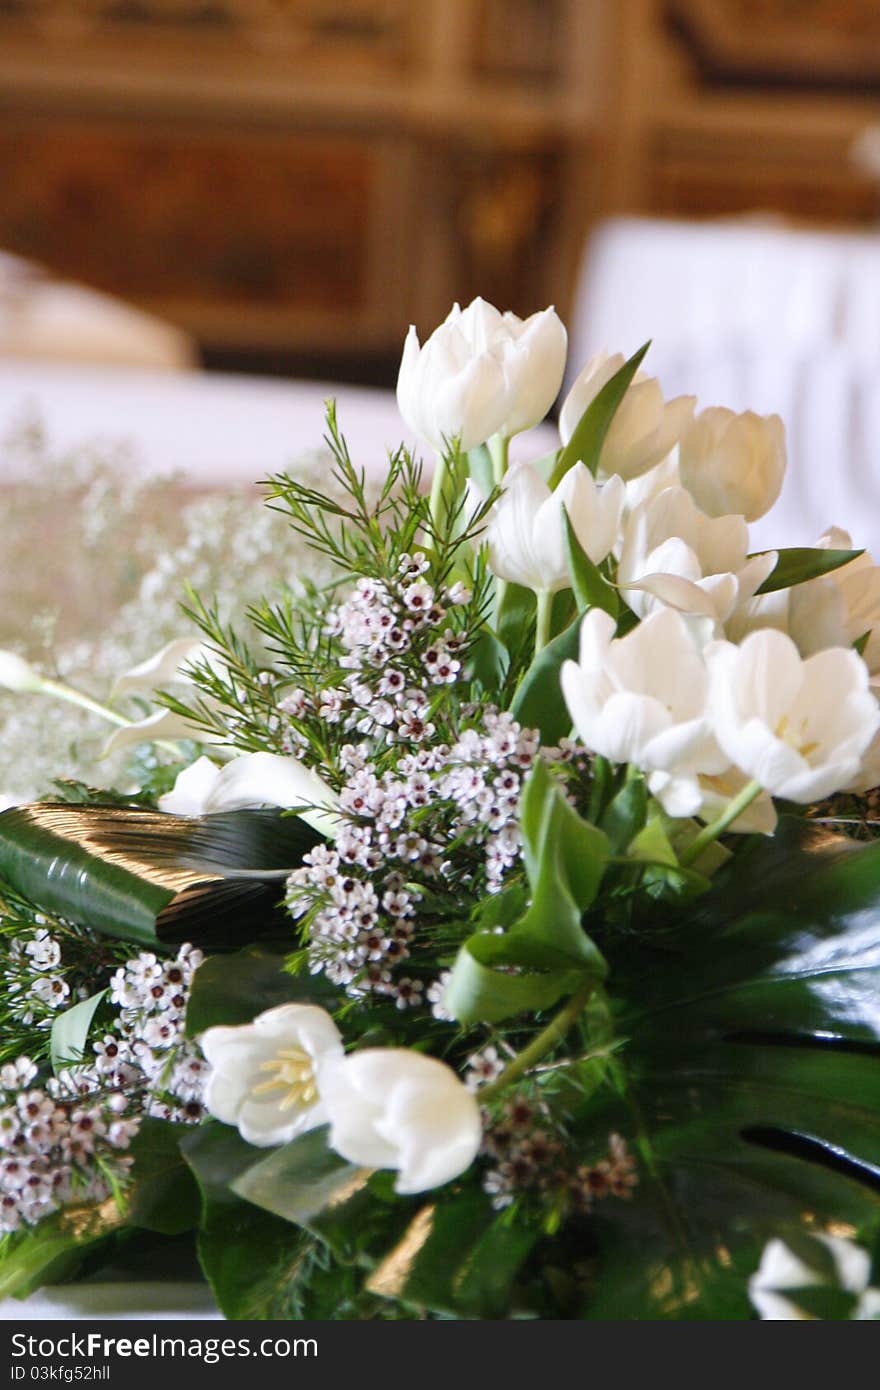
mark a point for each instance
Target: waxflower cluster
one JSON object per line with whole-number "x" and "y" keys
{"x": 59, "y": 1144}
{"x": 34, "y": 978}
{"x": 398, "y": 640}
{"x": 362, "y": 896}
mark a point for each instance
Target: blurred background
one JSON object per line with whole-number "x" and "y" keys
{"x": 277, "y": 188}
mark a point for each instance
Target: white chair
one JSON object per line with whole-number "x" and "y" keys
{"x": 753, "y": 315}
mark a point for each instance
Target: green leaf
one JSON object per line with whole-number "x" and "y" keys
{"x": 625, "y": 816}
{"x": 477, "y": 994}
{"x": 250, "y": 1259}
{"x": 233, "y": 989}
{"x": 585, "y": 445}
{"x": 750, "y": 1084}
{"x": 799, "y": 564}
{"x": 538, "y": 703}
{"x": 149, "y": 877}
{"x": 163, "y": 1196}
{"x": 70, "y": 1031}
{"x": 458, "y": 1257}
{"x": 53, "y": 1250}
{"x": 565, "y": 858}
{"x": 590, "y": 589}
{"x": 350, "y": 1208}
{"x": 488, "y": 660}
{"x": 515, "y": 618}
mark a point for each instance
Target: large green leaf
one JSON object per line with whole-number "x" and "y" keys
{"x": 589, "y": 434}
{"x": 539, "y": 702}
{"x": 234, "y": 988}
{"x": 799, "y": 564}
{"x": 750, "y": 1084}
{"x": 148, "y": 877}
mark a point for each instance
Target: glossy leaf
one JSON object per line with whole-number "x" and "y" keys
{"x": 590, "y": 589}
{"x": 585, "y": 445}
{"x": 539, "y": 703}
{"x": 476, "y": 993}
{"x": 70, "y": 1031}
{"x": 163, "y": 1197}
{"x": 350, "y": 1208}
{"x": 799, "y": 564}
{"x": 750, "y": 1083}
{"x": 232, "y": 989}
{"x": 147, "y": 877}
{"x": 458, "y": 1257}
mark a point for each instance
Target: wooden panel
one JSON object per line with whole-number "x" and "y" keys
{"x": 523, "y": 39}
{"x": 188, "y": 216}
{"x": 374, "y": 36}
{"x": 801, "y": 42}
{"x": 705, "y": 174}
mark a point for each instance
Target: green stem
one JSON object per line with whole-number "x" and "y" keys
{"x": 542, "y": 619}
{"x": 82, "y": 701}
{"x": 546, "y": 1040}
{"x": 498, "y": 447}
{"x": 711, "y": 832}
{"x": 76, "y": 697}
{"x": 435, "y": 503}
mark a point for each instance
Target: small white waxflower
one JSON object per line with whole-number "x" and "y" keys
{"x": 645, "y": 428}
{"x": 393, "y": 1108}
{"x": 526, "y": 530}
{"x": 265, "y": 1075}
{"x": 798, "y": 727}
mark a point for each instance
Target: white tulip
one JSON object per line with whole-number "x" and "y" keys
{"x": 797, "y": 727}
{"x": 645, "y": 428}
{"x": 266, "y": 1075}
{"x": 526, "y": 532}
{"x": 674, "y": 554}
{"x": 17, "y": 674}
{"x": 782, "y": 1272}
{"x": 733, "y": 463}
{"x": 251, "y": 780}
{"x": 708, "y": 797}
{"x": 641, "y": 699}
{"x": 841, "y": 607}
{"x": 481, "y": 373}
{"x": 393, "y": 1108}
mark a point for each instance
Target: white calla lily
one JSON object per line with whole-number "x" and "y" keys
{"x": 526, "y": 532}
{"x": 641, "y": 699}
{"x": 160, "y": 669}
{"x": 799, "y": 728}
{"x": 265, "y": 1075}
{"x": 394, "y": 1108}
{"x": 645, "y": 428}
{"x": 252, "y": 780}
{"x": 162, "y": 725}
{"x": 733, "y": 463}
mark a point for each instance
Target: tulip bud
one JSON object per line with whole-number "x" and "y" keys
{"x": 526, "y": 532}
{"x": 17, "y": 674}
{"x": 645, "y": 428}
{"x": 733, "y": 463}
{"x": 392, "y": 1108}
{"x": 481, "y": 373}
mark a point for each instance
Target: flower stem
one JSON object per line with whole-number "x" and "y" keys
{"x": 498, "y": 446}
{"x": 438, "y": 481}
{"x": 538, "y": 1048}
{"x": 711, "y": 832}
{"x": 542, "y": 619}
{"x": 76, "y": 697}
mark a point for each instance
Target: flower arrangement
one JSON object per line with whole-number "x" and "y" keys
{"x": 494, "y": 931}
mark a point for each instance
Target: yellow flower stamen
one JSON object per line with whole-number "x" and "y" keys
{"x": 294, "y": 1073}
